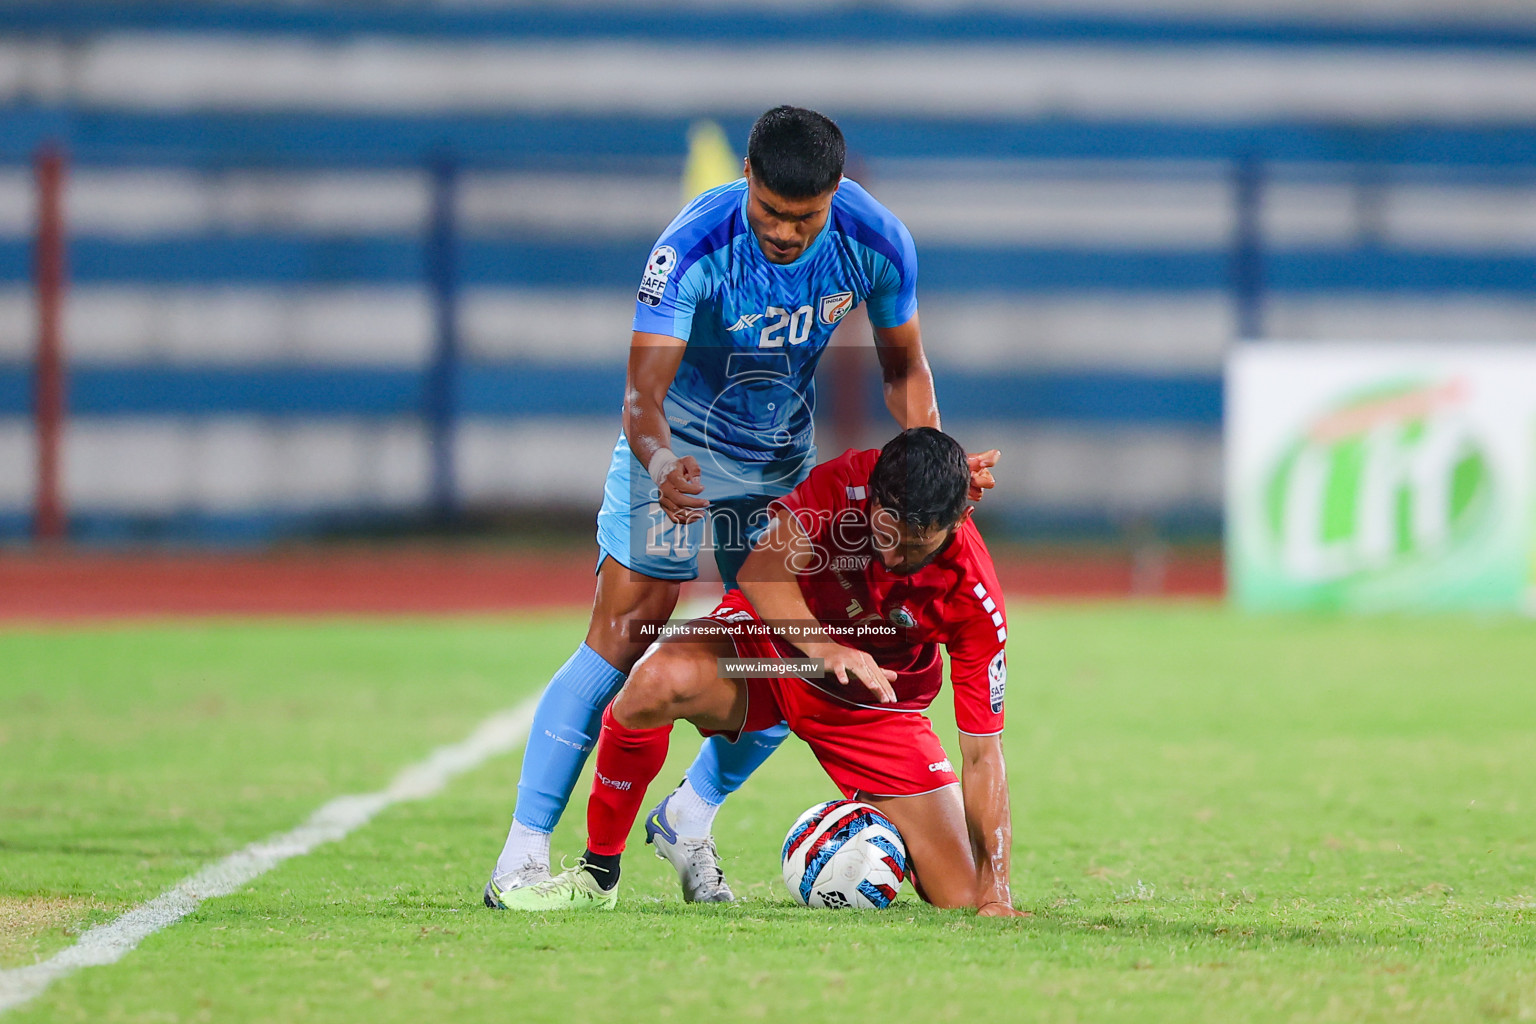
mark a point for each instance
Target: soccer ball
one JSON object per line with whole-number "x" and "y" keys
{"x": 844, "y": 854}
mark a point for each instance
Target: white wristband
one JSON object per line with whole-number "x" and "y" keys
{"x": 661, "y": 464}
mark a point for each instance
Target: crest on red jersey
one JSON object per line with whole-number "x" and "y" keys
{"x": 903, "y": 618}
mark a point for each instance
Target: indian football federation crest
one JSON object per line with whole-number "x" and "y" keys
{"x": 903, "y": 618}
{"x": 834, "y": 307}
{"x": 657, "y": 269}
{"x": 997, "y": 677}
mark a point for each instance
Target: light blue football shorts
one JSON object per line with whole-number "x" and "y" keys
{"x": 633, "y": 530}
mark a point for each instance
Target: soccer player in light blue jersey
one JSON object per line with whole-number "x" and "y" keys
{"x": 736, "y": 304}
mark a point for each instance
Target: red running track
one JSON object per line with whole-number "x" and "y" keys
{"x": 73, "y": 586}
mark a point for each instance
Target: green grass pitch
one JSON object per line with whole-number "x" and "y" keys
{"x": 1215, "y": 818}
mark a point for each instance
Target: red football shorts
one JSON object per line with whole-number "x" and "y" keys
{"x": 874, "y": 750}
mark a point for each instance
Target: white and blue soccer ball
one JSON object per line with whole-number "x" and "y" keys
{"x": 844, "y": 853}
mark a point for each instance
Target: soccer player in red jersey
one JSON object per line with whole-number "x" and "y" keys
{"x": 871, "y": 564}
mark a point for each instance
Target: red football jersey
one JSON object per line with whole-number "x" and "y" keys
{"x": 954, "y": 600}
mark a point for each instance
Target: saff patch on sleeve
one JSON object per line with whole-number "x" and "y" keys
{"x": 657, "y": 270}
{"x": 997, "y": 676}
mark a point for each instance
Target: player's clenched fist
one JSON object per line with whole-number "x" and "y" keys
{"x": 852, "y": 667}
{"x": 679, "y": 481}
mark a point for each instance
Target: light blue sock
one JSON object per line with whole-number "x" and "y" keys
{"x": 722, "y": 766}
{"x": 565, "y": 728}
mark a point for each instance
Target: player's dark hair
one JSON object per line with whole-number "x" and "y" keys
{"x": 796, "y": 153}
{"x": 922, "y": 476}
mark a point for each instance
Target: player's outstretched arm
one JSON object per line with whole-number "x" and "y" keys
{"x": 984, "y": 782}
{"x": 768, "y": 579}
{"x": 907, "y": 379}
{"x": 653, "y": 362}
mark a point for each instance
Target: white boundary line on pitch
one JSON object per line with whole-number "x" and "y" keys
{"x": 109, "y": 943}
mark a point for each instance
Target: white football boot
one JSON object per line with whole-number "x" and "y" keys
{"x": 696, "y": 861}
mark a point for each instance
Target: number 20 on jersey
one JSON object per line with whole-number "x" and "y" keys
{"x": 781, "y": 324}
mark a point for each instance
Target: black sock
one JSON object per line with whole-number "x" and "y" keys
{"x": 604, "y": 867}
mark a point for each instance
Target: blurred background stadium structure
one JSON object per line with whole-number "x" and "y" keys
{"x": 342, "y": 266}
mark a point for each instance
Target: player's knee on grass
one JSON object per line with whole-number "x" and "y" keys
{"x": 944, "y": 872}
{"x": 947, "y": 892}
{"x": 938, "y": 847}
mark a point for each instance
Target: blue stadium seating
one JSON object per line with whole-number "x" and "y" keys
{"x": 1074, "y": 426}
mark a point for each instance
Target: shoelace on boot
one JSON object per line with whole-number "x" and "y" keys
{"x": 706, "y": 845}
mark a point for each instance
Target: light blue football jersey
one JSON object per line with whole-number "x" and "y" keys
{"x": 755, "y": 330}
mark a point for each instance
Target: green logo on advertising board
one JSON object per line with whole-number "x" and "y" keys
{"x": 1386, "y": 477}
